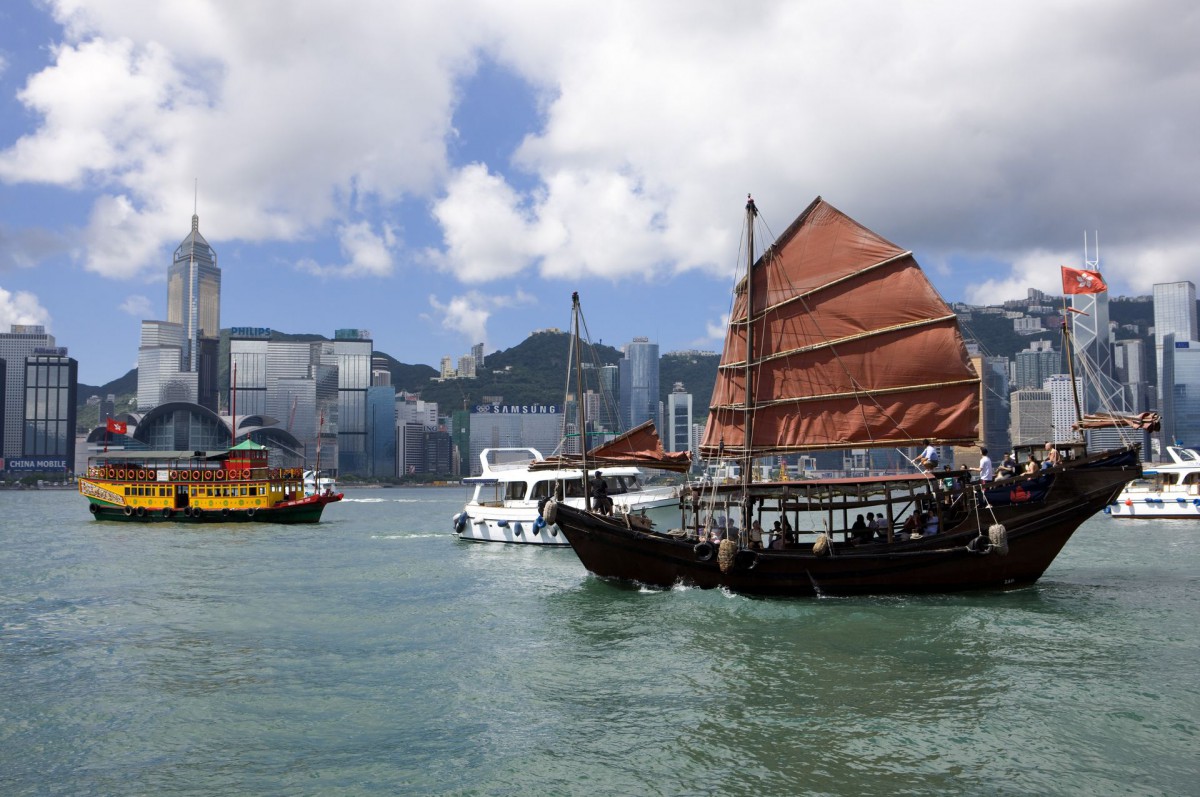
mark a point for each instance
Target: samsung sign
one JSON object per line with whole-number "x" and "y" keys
{"x": 518, "y": 409}
{"x": 33, "y": 464}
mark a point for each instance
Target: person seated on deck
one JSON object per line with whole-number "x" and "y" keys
{"x": 756, "y": 536}
{"x": 859, "y": 532}
{"x": 931, "y": 524}
{"x": 879, "y": 525}
{"x": 778, "y": 543}
{"x": 1053, "y": 457}
{"x": 928, "y": 459}
{"x": 789, "y": 534}
{"x": 912, "y": 527}
{"x": 1008, "y": 466}
{"x": 1032, "y": 466}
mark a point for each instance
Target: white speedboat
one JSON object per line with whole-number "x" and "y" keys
{"x": 315, "y": 484}
{"x": 1167, "y": 490}
{"x": 506, "y": 503}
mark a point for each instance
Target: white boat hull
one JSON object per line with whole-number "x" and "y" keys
{"x": 1170, "y": 490}
{"x": 522, "y": 525}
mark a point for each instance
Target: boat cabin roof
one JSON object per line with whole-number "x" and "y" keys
{"x": 125, "y": 455}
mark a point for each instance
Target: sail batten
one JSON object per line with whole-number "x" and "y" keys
{"x": 840, "y": 341}
{"x": 849, "y": 346}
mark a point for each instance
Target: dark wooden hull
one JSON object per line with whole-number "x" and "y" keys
{"x": 1036, "y": 530}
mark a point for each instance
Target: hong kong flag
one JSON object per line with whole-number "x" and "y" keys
{"x": 1078, "y": 280}
{"x": 116, "y": 427}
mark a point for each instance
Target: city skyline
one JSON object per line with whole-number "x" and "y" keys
{"x": 449, "y": 178}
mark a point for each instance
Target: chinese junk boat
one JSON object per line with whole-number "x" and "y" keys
{"x": 838, "y": 340}
{"x": 230, "y": 486}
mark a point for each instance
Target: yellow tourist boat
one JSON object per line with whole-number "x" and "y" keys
{"x": 233, "y": 486}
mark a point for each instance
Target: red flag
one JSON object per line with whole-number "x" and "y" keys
{"x": 116, "y": 427}
{"x": 1078, "y": 280}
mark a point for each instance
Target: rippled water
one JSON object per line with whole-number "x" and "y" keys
{"x": 376, "y": 654}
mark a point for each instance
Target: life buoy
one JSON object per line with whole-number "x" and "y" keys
{"x": 704, "y": 551}
{"x": 143, "y": 475}
{"x": 141, "y": 511}
{"x": 128, "y": 511}
{"x": 121, "y": 474}
{"x": 208, "y": 474}
{"x": 174, "y": 475}
{"x": 220, "y": 475}
{"x": 112, "y": 473}
{"x": 550, "y": 513}
{"x": 195, "y": 475}
{"x": 246, "y": 473}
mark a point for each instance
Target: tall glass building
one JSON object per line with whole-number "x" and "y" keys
{"x": 194, "y": 302}
{"x": 161, "y": 377}
{"x": 352, "y": 349}
{"x": 1174, "y": 318}
{"x": 679, "y": 420}
{"x": 639, "y": 383}
{"x": 51, "y": 385}
{"x": 20, "y": 342}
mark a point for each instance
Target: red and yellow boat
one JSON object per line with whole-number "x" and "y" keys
{"x": 234, "y": 486}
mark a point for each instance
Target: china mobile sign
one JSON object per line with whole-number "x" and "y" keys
{"x": 518, "y": 409}
{"x": 34, "y": 464}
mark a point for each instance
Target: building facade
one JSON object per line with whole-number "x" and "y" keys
{"x": 678, "y": 432}
{"x": 20, "y": 342}
{"x": 639, "y": 383}
{"x": 194, "y": 302}
{"x": 51, "y": 393}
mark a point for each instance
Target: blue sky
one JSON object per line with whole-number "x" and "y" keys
{"x": 445, "y": 173}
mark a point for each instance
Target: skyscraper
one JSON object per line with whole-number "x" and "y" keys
{"x": 51, "y": 384}
{"x": 161, "y": 377}
{"x": 639, "y": 383}
{"x": 194, "y": 302}
{"x": 679, "y": 420}
{"x": 20, "y": 342}
{"x": 1174, "y": 318}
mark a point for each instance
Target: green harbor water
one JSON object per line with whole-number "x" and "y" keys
{"x": 376, "y": 654}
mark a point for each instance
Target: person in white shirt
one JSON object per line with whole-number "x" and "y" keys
{"x": 986, "y": 473}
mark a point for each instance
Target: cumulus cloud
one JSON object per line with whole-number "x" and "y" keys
{"x": 468, "y": 314}
{"x": 21, "y": 307}
{"x": 965, "y": 132}
{"x": 367, "y": 253}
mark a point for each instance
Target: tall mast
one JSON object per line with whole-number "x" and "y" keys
{"x": 748, "y": 413}
{"x": 580, "y": 412}
{"x": 748, "y": 416}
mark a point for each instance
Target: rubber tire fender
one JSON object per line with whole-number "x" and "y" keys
{"x": 704, "y": 551}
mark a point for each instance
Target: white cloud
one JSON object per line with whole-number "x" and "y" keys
{"x": 468, "y": 314}
{"x": 368, "y": 253}
{"x": 137, "y": 306}
{"x": 21, "y": 307}
{"x": 960, "y": 130}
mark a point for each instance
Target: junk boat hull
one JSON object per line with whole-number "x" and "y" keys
{"x": 1039, "y": 515}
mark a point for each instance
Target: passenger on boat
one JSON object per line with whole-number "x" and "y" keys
{"x": 912, "y": 526}
{"x": 928, "y": 458}
{"x": 778, "y": 544}
{"x": 931, "y": 524}
{"x": 788, "y": 533}
{"x": 756, "y": 536}
{"x": 985, "y": 466}
{"x": 1031, "y": 465}
{"x": 859, "y": 532}
{"x": 879, "y": 524}
{"x": 1052, "y": 456}
{"x": 1008, "y": 466}
{"x": 600, "y": 500}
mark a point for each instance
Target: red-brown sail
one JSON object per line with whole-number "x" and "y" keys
{"x": 853, "y": 347}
